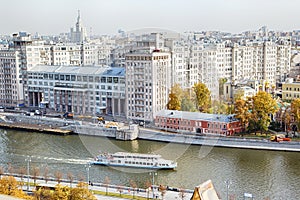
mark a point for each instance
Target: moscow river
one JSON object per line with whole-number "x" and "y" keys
{"x": 265, "y": 174}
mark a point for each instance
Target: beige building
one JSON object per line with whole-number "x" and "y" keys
{"x": 148, "y": 80}
{"x": 290, "y": 90}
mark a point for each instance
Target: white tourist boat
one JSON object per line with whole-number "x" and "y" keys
{"x": 137, "y": 160}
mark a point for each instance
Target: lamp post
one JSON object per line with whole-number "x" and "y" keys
{"x": 227, "y": 182}
{"x": 87, "y": 167}
{"x": 28, "y": 159}
{"x": 153, "y": 174}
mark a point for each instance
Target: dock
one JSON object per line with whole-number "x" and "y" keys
{"x": 36, "y": 128}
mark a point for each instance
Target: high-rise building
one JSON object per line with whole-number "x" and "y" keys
{"x": 148, "y": 81}
{"x": 78, "y": 35}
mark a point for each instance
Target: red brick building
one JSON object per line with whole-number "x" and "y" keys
{"x": 196, "y": 122}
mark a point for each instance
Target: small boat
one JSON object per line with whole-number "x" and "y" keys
{"x": 136, "y": 160}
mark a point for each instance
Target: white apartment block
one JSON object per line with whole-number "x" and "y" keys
{"x": 66, "y": 54}
{"x": 148, "y": 81}
{"x": 82, "y": 90}
{"x": 11, "y": 84}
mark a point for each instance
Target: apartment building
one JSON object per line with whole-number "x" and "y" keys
{"x": 11, "y": 78}
{"x": 82, "y": 90}
{"x": 148, "y": 80}
{"x": 290, "y": 90}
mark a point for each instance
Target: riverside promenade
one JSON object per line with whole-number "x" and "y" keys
{"x": 129, "y": 192}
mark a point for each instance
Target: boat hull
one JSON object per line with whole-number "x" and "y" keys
{"x": 132, "y": 166}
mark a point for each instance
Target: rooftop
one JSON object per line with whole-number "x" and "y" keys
{"x": 84, "y": 70}
{"x": 196, "y": 116}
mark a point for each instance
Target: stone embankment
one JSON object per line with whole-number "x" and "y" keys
{"x": 133, "y": 132}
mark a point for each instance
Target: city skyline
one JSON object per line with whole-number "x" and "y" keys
{"x": 107, "y": 17}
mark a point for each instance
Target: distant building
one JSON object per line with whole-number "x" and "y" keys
{"x": 290, "y": 90}
{"x": 78, "y": 35}
{"x": 13, "y": 68}
{"x": 196, "y": 122}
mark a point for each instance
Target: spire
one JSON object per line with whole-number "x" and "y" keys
{"x": 78, "y": 18}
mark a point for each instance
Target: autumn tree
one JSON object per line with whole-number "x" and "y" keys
{"x": 295, "y": 109}
{"x": 81, "y": 192}
{"x": 174, "y": 102}
{"x": 182, "y": 193}
{"x": 43, "y": 194}
{"x": 9, "y": 186}
{"x": 1, "y": 171}
{"x": 22, "y": 172}
{"x": 148, "y": 187}
{"x": 133, "y": 185}
{"x": 202, "y": 97}
{"x": 120, "y": 189}
{"x": 46, "y": 174}
{"x": 71, "y": 178}
{"x": 58, "y": 175}
{"x": 35, "y": 174}
{"x": 106, "y": 183}
{"x": 61, "y": 192}
{"x": 242, "y": 112}
{"x": 262, "y": 106}
{"x": 163, "y": 190}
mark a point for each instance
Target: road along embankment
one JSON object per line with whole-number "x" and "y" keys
{"x": 242, "y": 143}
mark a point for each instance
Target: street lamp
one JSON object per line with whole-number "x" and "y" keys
{"x": 87, "y": 167}
{"x": 153, "y": 174}
{"x": 227, "y": 182}
{"x": 28, "y": 159}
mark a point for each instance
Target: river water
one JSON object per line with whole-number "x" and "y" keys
{"x": 271, "y": 174}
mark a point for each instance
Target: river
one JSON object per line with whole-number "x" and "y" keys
{"x": 272, "y": 174}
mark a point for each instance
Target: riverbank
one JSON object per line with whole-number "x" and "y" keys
{"x": 228, "y": 142}
{"x": 93, "y": 129}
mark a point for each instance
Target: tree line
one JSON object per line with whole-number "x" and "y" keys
{"x": 254, "y": 113}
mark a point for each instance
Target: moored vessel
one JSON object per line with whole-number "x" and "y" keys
{"x": 136, "y": 160}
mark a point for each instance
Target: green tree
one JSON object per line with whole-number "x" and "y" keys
{"x": 202, "y": 97}
{"x": 176, "y": 89}
{"x": 187, "y": 103}
{"x": 295, "y": 109}
{"x": 174, "y": 102}
{"x": 262, "y": 106}
{"x": 222, "y": 81}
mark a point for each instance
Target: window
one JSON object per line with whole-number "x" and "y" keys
{"x": 103, "y": 79}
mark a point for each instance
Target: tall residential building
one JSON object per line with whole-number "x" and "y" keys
{"x": 148, "y": 80}
{"x": 11, "y": 78}
{"x": 78, "y": 35}
{"x": 13, "y": 68}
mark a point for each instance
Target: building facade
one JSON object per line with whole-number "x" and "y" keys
{"x": 195, "y": 122}
{"x": 81, "y": 90}
{"x": 290, "y": 90}
{"x": 148, "y": 81}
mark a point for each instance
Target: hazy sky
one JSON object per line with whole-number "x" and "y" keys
{"x": 107, "y": 16}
